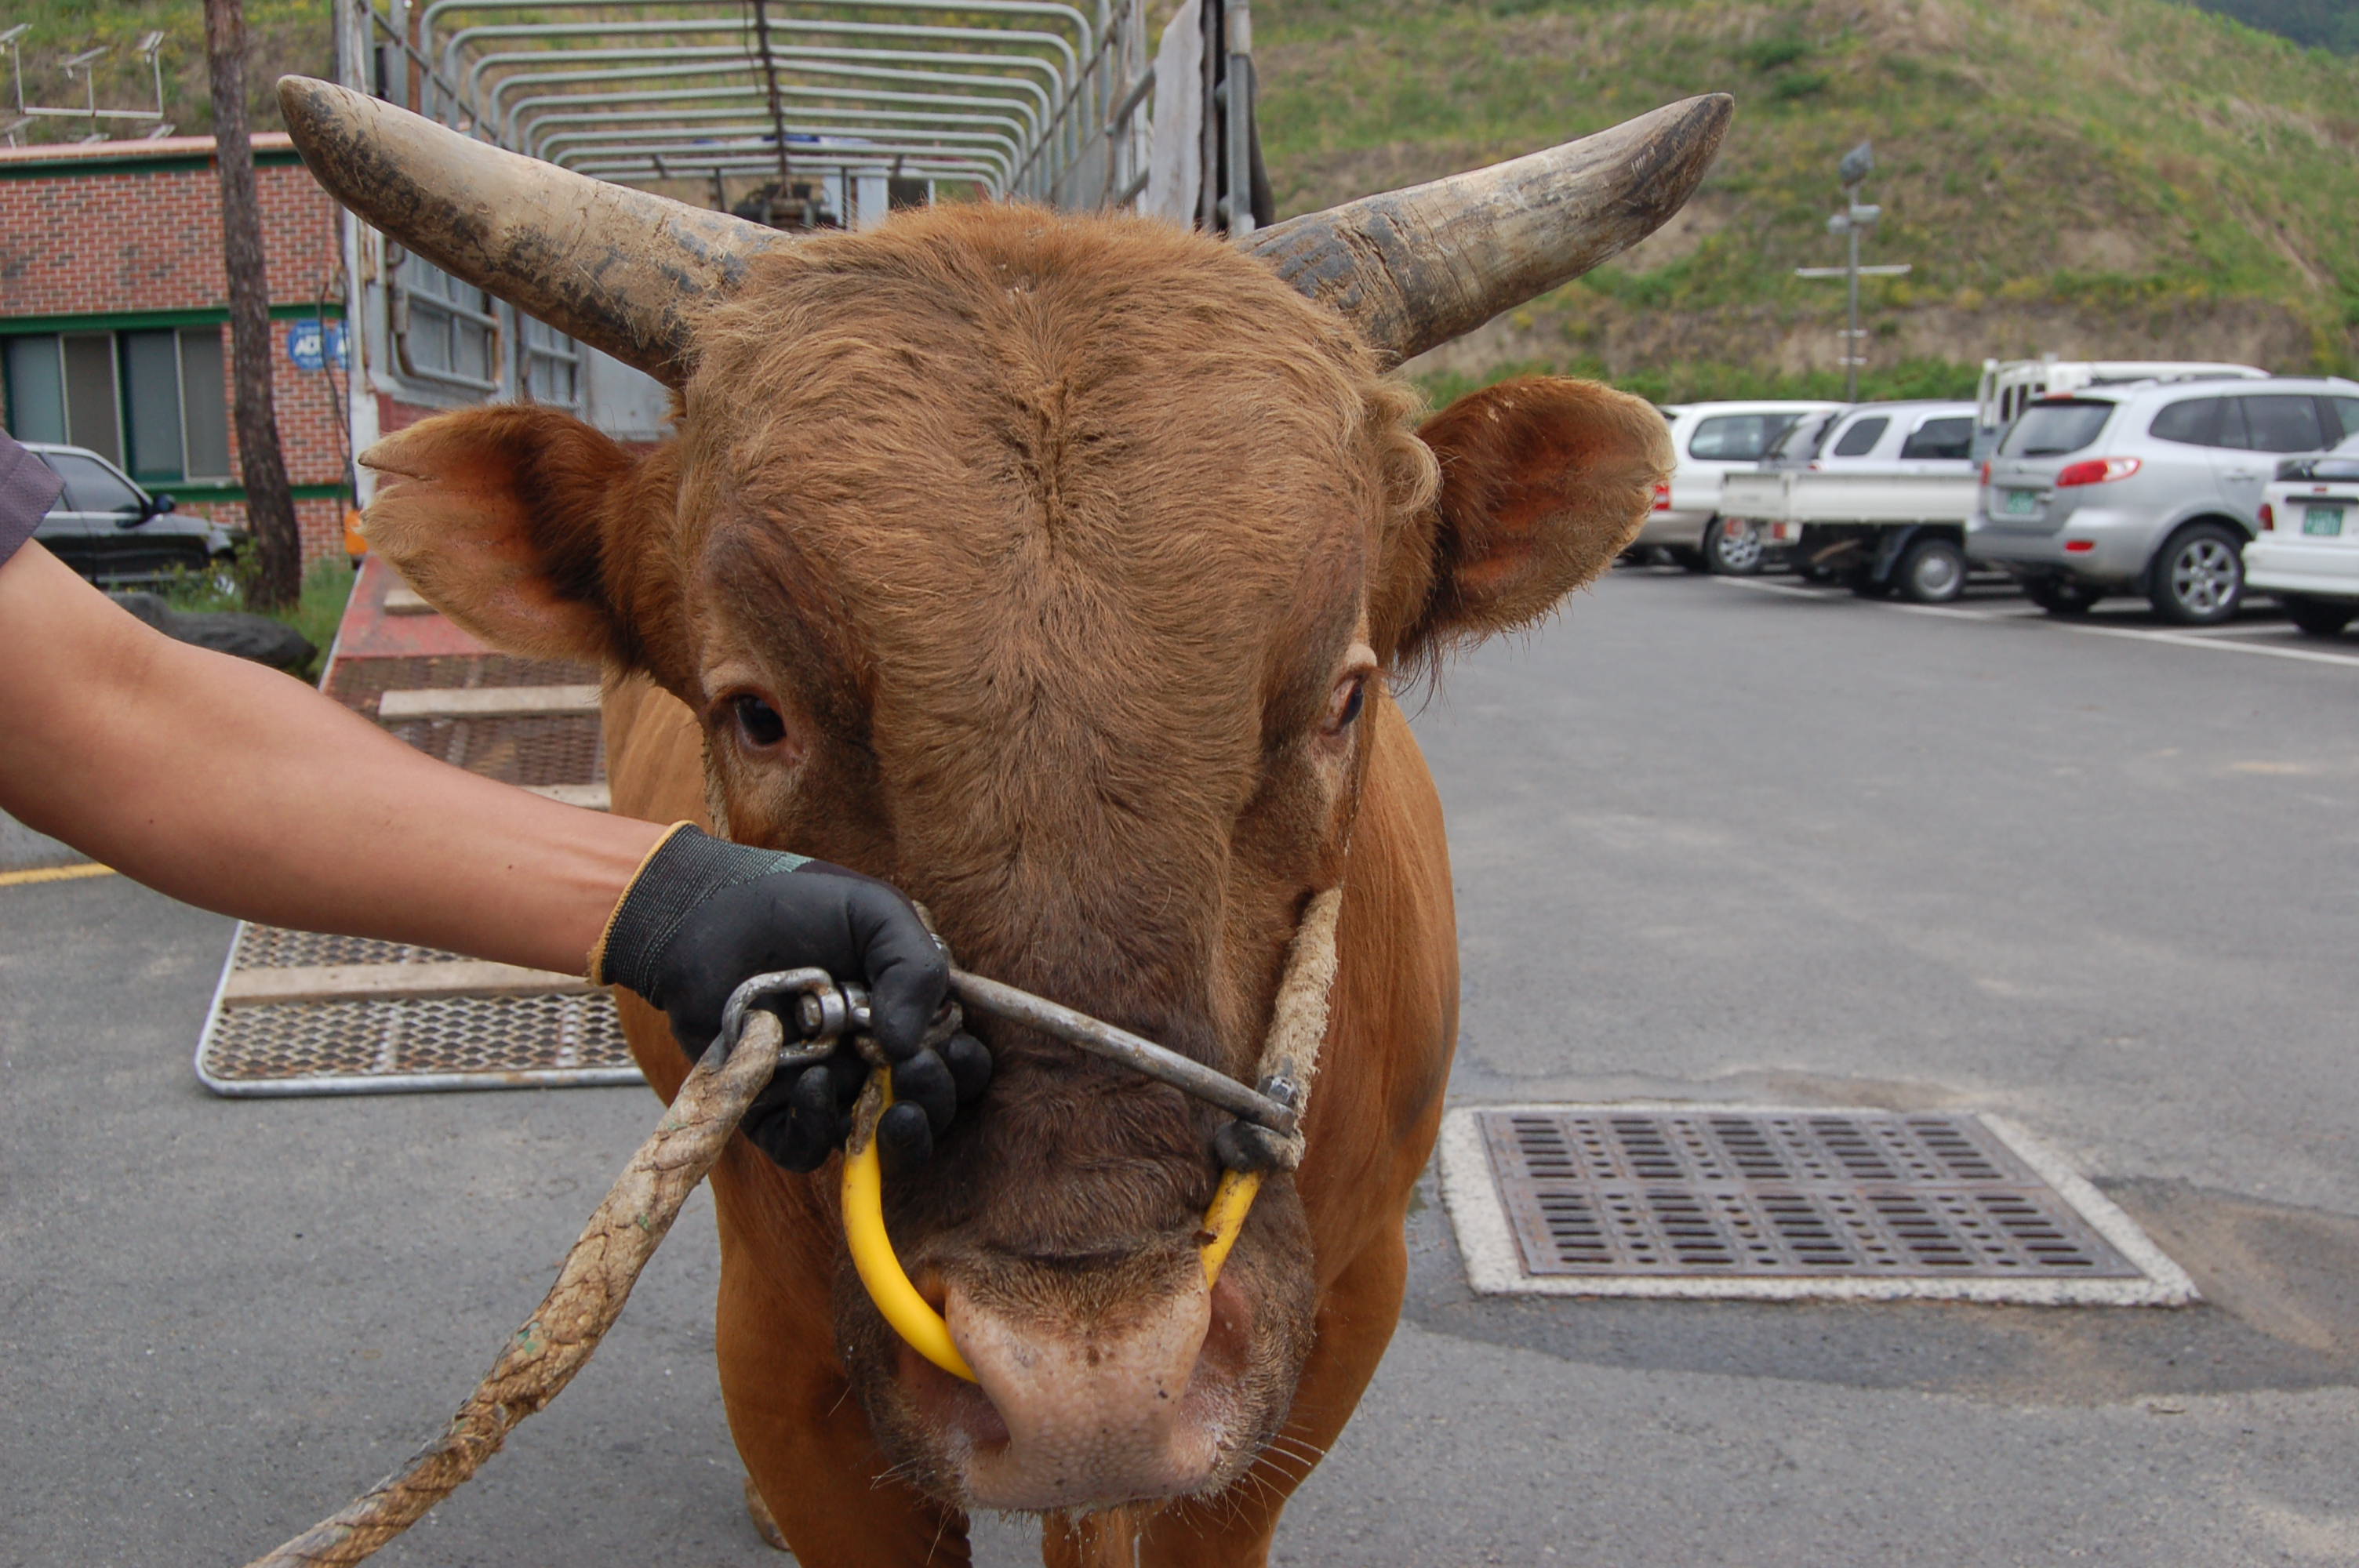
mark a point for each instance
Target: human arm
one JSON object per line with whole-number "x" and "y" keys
{"x": 238, "y": 789}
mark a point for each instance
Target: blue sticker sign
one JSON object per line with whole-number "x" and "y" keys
{"x": 314, "y": 344}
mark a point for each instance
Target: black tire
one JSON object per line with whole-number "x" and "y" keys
{"x": 2198, "y": 576}
{"x": 1932, "y": 570}
{"x": 2319, "y": 617}
{"x": 1732, "y": 547}
{"x": 2062, "y": 596}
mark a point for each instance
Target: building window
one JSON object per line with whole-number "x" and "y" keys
{"x": 552, "y": 365}
{"x": 443, "y": 328}
{"x": 152, "y": 402}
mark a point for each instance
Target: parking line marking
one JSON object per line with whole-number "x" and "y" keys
{"x": 2191, "y": 638}
{"x": 2181, "y": 640}
{"x": 2237, "y": 629}
{"x": 1961, "y": 614}
{"x": 54, "y": 874}
{"x": 1787, "y": 588}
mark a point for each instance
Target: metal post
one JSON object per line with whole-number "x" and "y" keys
{"x": 777, "y": 110}
{"x": 1851, "y": 356}
{"x": 1238, "y": 31}
{"x": 1855, "y": 216}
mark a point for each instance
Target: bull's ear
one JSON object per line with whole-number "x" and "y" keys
{"x": 1544, "y": 481}
{"x": 498, "y": 516}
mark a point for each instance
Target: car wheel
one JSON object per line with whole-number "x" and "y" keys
{"x": 2319, "y": 617}
{"x": 2061, "y": 596}
{"x": 1732, "y": 548}
{"x": 1932, "y": 571}
{"x": 2198, "y": 579}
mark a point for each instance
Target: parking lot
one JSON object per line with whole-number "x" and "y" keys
{"x": 1715, "y": 839}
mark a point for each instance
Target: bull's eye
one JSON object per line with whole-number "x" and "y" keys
{"x": 758, "y": 724}
{"x": 1344, "y": 707}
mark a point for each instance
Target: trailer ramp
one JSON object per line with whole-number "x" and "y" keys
{"x": 297, "y": 1012}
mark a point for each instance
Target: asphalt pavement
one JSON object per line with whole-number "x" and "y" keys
{"x": 1714, "y": 841}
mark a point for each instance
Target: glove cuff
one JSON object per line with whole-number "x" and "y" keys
{"x": 686, "y": 867}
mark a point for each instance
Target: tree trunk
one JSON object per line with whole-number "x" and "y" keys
{"x": 269, "y": 503}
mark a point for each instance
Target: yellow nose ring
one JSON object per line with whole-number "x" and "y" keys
{"x": 912, "y": 1317}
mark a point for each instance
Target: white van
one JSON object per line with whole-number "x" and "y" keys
{"x": 2009, "y": 387}
{"x": 1713, "y": 440}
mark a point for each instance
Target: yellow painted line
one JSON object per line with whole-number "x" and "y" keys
{"x": 55, "y": 874}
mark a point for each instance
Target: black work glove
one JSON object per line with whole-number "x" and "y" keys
{"x": 705, "y": 915}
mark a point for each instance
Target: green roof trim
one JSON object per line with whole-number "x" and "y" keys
{"x": 140, "y": 321}
{"x": 209, "y": 491}
{"x": 131, "y": 162}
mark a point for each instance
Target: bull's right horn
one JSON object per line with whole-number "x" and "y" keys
{"x": 623, "y": 270}
{"x": 1416, "y": 267}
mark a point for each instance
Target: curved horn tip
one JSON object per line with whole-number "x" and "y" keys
{"x": 305, "y": 103}
{"x": 1418, "y": 267}
{"x": 621, "y": 269}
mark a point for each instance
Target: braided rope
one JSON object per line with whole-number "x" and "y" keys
{"x": 555, "y": 1342}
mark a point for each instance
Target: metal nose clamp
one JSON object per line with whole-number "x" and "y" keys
{"x": 826, "y": 1011}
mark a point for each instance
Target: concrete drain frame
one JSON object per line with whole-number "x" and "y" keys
{"x": 1749, "y": 1203}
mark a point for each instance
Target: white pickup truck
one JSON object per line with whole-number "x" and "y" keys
{"x": 1881, "y": 501}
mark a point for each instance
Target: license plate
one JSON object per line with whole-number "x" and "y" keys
{"x": 2022, "y": 503}
{"x": 2326, "y": 520}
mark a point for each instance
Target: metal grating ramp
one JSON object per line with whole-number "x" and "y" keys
{"x": 301, "y": 1014}
{"x": 1785, "y": 1204}
{"x": 399, "y": 1040}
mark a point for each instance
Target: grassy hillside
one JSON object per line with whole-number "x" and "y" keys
{"x": 2087, "y": 176}
{"x": 286, "y": 34}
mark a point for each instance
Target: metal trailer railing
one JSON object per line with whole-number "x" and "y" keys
{"x": 796, "y": 113}
{"x": 863, "y": 103}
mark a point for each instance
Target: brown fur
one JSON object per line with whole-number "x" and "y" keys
{"x": 1048, "y": 538}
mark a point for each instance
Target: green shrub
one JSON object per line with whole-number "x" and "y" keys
{"x": 316, "y": 614}
{"x": 1770, "y": 54}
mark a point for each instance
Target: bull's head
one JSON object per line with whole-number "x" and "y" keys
{"x": 1053, "y": 568}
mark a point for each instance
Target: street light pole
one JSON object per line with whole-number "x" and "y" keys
{"x": 1853, "y": 347}
{"x": 1855, "y": 216}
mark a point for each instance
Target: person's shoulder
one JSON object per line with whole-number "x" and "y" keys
{"x": 28, "y": 490}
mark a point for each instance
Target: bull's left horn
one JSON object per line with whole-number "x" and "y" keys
{"x": 623, "y": 270}
{"x": 1416, "y": 267}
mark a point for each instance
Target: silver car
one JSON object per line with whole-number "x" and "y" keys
{"x": 2151, "y": 487}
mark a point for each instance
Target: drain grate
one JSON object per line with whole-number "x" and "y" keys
{"x": 1704, "y": 1200}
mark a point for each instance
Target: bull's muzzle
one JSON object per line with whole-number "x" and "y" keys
{"x": 1089, "y": 1415}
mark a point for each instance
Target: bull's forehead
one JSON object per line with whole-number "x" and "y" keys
{"x": 996, "y": 466}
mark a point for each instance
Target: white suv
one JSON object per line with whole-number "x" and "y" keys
{"x": 2308, "y": 550}
{"x": 1711, "y": 439}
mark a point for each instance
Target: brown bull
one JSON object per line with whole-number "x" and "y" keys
{"x": 1058, "y": 570}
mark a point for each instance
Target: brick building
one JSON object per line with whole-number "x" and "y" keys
{"x": 114, "y": 311}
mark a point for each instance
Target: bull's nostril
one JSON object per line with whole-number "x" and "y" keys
{"x": 1096, "y": 1411}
